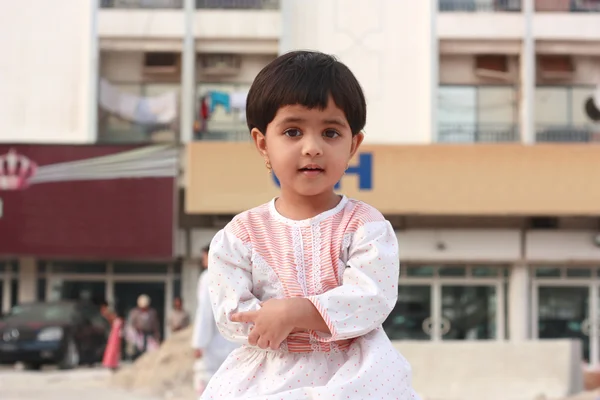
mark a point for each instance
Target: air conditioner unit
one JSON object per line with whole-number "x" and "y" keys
{"x": 159, "y": 65}
{"x": 492, "y": 66}
{"x": 221, "y": 64}
{"x": 592, "y": 106}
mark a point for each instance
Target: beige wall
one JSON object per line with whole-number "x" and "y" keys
{"x": 208, "y": 24}
{"x": 506, "y": 26}
{"x": 387, "y": 44}
{"x": 421, "y": 180}
{"x": 45, "y": 72}
{"x": 563, "y": 247}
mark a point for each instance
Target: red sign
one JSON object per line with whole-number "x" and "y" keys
{"x": 106, "y": 202}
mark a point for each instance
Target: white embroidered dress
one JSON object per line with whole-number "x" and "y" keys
{"x": 345, "y": 261}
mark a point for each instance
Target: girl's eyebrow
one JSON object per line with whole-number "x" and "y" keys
{"x": 326, "y": 121}
{"x": 335, "y": 121}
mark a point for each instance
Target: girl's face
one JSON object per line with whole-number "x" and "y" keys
{"x": 309, "y": 150}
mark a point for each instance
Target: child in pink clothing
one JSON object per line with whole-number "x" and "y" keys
{"x": 112, "y": 352}
{"x": 305, "y": 281}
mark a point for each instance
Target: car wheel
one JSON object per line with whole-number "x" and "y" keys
{"x": 70, "y": 358}
{"x": 32, "y": 366}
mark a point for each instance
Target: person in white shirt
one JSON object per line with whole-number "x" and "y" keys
{"x": 210, "y": 348}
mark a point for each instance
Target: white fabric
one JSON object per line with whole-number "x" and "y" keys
{"x": 206, "y": 337}
{"x": 370, "y": 369}
{"x": 161, "y": 109}
{"x": 237, "y": 100}
{"x": 597, "y": 97}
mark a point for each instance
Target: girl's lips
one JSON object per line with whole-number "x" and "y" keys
{"x": 311, "y": 172}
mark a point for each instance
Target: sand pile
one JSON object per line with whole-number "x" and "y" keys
{"x": 593, "y": 395}
{"x": 166, "y": 372}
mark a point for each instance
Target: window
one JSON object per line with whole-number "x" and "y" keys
{"x": 470, "y": 114}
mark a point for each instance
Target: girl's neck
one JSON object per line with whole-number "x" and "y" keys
{"x": 297, "y": 207}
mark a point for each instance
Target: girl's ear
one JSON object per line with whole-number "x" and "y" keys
{"x": 260, "y": 141}
{"x": 356, "y": 142}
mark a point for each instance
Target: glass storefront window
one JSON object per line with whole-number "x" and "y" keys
{"x": 14, "y": 292}
{"x": 453, "y": 271}
{"x": 579, "y": 272}
{"x": 484, "y": 271}
{"x": 547, "y": 272}
{"x": 411, "y": 318}
{"x": 78, "y": 267}
{"x": 419, "y": 271}
{"x": 469, "y": 312}
{"x": 471, "y": 303}
{"x": 9, "y": 266}
{"x": 140, "y": 268}
{"x": 563, "y": 313}
{"x": 177, "y": 287}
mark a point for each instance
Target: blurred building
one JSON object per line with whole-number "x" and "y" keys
{"x": 479, "y": 149}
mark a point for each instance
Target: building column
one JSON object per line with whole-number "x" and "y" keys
{"x": 519, "y": 304}
{"x": 528, "y": 76}
{"x": 27, "y": 280}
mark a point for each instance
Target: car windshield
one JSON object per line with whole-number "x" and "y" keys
{"x": 60, "y": 312}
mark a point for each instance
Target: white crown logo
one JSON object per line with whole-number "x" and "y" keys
{"x": 15, "y": 171}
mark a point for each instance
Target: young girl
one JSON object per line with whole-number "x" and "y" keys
{"x": 305, "y": 281}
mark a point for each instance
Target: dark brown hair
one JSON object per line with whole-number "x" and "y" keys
{"x": 307, "y": 78}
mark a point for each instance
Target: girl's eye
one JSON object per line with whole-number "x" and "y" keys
{"x": 330, "y": 133}
{"x": 293, "y": 133}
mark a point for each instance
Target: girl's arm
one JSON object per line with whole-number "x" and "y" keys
{"x": 230, "y": 282}
{"x": 368, "y": 293}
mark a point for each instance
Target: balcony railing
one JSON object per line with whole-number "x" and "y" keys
{"x": 151, "y": 4}
{"x": 239, "y": 4}
{"x": 200, "y": 4}
{"x": 567, "y": 134}
{"x": 224, "y": 135}
{"x": 515, "y": 5}
{"x": 567, "y": 5}
{"x": 478, "y": 133}
{"x": 479, "y": 5}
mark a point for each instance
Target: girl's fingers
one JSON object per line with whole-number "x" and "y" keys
{"x": 263, "y": 343}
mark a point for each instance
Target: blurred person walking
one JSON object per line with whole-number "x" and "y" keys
{"x": 143, "y": 328}
{"x": 179, "y": 319}
{"x": 211, "y": 348}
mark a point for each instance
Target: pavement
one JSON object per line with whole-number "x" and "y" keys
{"x": 51, "y": 384}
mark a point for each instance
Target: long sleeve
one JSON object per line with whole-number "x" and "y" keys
{"x": 370, "y": 285}
{"x": 204, "y": 323}
{"x": 230, "y": 276}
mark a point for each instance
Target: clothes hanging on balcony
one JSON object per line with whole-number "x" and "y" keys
{"x": 203, "y": 115}
{"x": 220, "y": 99}
{"x": 156, "y": 110}
{"x": 238, "y": 103}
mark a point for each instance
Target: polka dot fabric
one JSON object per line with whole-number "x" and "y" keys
{"x": 346, "y": 262}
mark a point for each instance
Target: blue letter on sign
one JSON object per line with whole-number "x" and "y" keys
{"x": 364, "y": 170}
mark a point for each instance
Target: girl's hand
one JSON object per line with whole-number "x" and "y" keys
{"x": 272, "y": 323}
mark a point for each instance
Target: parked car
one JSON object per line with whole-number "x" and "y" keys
{"x": 64, "y": 333}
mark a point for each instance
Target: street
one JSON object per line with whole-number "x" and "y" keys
{"x": 84, "y": 383}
